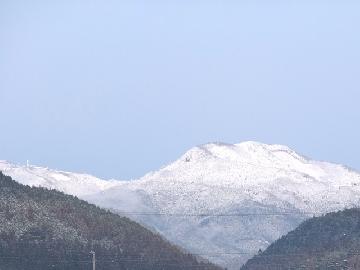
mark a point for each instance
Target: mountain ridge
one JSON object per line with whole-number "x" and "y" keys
{"x": 45, "y": 229}
{"x": 218, "y": 178}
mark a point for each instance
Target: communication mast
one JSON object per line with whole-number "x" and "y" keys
{"x": 93, "y": 259}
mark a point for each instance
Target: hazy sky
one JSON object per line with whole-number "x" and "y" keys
{"x": 119, "y": 88}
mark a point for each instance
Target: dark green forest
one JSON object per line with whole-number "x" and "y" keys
{"x": 331, "y": 241}
{"x": 44, "y": 229}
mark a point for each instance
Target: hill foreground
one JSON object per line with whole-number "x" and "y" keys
{"x": 44, "y": 229}
{"x": 331, "y": 241}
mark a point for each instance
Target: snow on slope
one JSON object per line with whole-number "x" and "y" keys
{"x": 240, "y": 186}
{"x": 71, "y": 183}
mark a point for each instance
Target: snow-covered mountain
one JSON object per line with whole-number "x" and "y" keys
{"x": 222, "y": 201}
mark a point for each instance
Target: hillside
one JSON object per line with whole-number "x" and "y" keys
{"x": 226, "y": 201}
{"x": 45, "y": 229}
{"x": 327, "y": 242}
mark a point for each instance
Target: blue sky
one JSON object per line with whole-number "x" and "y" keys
{"x": 119, "y": 88}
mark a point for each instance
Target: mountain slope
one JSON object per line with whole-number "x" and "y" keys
{"x": 42, "y": 229}
{"x": 327, "y": 242}
{"x": 226, "y": 201}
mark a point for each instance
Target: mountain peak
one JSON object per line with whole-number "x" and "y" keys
{"x": 248, "y": 151}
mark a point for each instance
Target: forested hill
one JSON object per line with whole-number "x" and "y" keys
{"x": 328, "y": 242}
{"x": 44, "y": 229}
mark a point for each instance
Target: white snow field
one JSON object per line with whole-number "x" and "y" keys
{"x": 221, "y": 201}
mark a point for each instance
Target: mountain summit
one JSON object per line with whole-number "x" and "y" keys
{"x": 225, "y": 201}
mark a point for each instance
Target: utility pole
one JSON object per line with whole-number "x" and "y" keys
{"x": 93, "y": 259}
